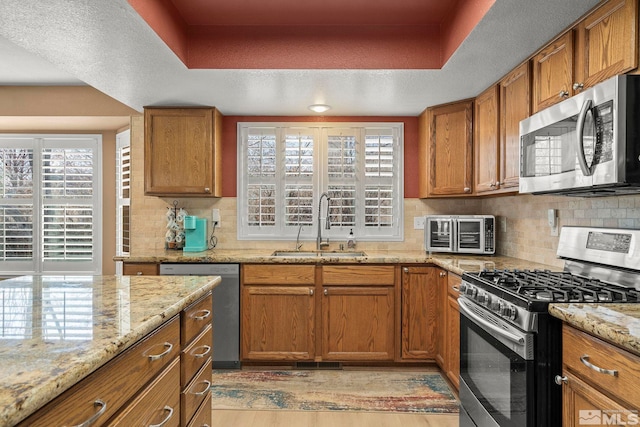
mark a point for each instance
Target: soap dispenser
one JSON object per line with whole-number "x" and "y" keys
{"x": 351, "y": 241}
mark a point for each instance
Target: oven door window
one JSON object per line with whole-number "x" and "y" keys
{"x": 440, "y": 234}
{"x": 470, "y": 234}
{"x": 500, "y": 379}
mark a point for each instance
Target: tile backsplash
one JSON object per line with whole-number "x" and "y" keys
{"x": 527, "y": 234}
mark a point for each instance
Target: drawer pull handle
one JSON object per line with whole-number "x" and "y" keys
{"x": 206, "y": 389}
{"x": 585, "y": 361}
{"x": 204, "y": 315}
{"x": 206, "y": 351}
{"x": 168, "y": 347}
{"x": 168, "y": 409}
{"x": 455, "y": 288}
{"x": 103, "y": 407}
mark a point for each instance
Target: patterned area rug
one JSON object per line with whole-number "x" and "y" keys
{"x": 333, "y": 390}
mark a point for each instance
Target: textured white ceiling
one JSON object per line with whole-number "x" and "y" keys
{"x": 107, "y": 45}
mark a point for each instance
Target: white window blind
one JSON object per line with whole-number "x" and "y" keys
{"x": 50, "y": 204}
{"x": 284, "y": 168}
{"x": 123, "y": 189}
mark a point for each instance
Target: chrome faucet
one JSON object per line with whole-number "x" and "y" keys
{"x": 298, "y": 244}
{"x": 319, "y": 242}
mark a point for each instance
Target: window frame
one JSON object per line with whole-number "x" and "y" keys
{"x": 37, "y": 265}
{"x": 321, "y": 182}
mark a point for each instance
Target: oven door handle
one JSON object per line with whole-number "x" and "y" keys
{"x": 464, "y": 307}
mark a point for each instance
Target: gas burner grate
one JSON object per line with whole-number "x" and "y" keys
{"x": 554, "y": 286}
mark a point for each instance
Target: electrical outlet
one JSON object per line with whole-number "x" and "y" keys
{"x": 418, "y": 222}
{"x": 215, "y": 217}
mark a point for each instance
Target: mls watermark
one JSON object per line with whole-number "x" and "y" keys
{"x": 608, "y": 417}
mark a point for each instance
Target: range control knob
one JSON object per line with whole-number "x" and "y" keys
{"x": 508, "y": 311}
{"x": 484, "y": 298}
{"x": 463, "y": 288}
{"x": 472, "y": 291}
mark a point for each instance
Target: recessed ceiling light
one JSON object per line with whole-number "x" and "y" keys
{"x": 319, "y": 108}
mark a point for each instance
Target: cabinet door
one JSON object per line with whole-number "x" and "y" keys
{"x": 278, "y": 323}
{"x": 607, "y": 43}
{"x": 453, "y": 343}
{"x": 182, "y": 152}
{"x": 451, "y": 149}
{"x": 358, "y": 323}
{"x": 583, "y": 404}
{"x": 553, "y": 73}
{"x": 515, "y": 106}
{"x": 486, "y": 153}
{"x": 419, "y": 312}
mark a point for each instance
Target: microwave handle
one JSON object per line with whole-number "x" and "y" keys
{"x": 582, "y": 159}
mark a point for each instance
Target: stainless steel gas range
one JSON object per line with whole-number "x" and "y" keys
{"x": 511, "y": 348}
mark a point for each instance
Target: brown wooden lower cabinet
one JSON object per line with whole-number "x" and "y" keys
{"x": 600, "y": 378}
{"x": 278, "y": 323}
{"x": 358, "y": 323}
{"x": 420, "y": 310}
{"x": 142, "y": 385}
{"x": 140, "y": 269}
{"x": 452, "y": 365}
{"x": 318, "y": 312}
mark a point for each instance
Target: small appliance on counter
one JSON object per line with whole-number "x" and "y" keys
{"x": 195, "y": 234}
{"x": 471, "y": 234}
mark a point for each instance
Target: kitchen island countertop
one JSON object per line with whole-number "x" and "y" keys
{"x": 56, "y": 330}
{"x": 617, "y": 323}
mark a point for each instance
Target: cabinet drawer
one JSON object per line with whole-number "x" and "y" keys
{"x": 358, "y": 275}
{"x": 158, "y": 404}
{"x": 193, "y": 357}
{"x": 138, "y": 269}
{"x": 203, "y": 417}
{"x": 114, "y": 383}
{"x": 195, "y": 318}
{"x": 195, "y": 393}
{"x": 623, "y": 385}
{"x": 254, "y": 274}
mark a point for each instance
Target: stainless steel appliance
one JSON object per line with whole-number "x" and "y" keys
{"x": 473, "y": 234}
{"x": 226, "y": 308}
{"x": 511, "y": 348}
{"x": 587, "y": 145}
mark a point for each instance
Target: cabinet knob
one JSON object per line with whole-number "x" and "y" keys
{"x": 498, "y": 183}
{"x": 492, "y": 185}
{"x": 443, "y": 274}
{"x": 578, "y": 86}
{"x": 311, "y": 292}
{"x": 564, "y": 94}
{"x": 560, "y": 380}
{"x": 207, "y": 190}
{"x": 406, "y": 269}
{"x": 326, "y": 292}
{"x": 139, "y": 273}
{"x": 467, "y": 190}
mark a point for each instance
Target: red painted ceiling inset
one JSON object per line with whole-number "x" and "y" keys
{"x": 305, "y": 34}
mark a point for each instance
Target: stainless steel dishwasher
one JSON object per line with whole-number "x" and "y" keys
{"x": 226, "y": 308}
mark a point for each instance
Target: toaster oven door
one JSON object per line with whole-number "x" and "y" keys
{"x": 440, "y": 234}
{"x": 471, "y": 235}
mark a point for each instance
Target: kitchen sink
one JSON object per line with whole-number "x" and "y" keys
{"x": 309, "y": 254}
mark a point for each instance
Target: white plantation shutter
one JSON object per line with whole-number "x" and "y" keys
{"x": 285, "y": 168}
{"x": 50, "y": 206}
{"x": 123, "y": 189}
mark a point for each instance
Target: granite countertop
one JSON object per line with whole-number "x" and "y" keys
{"x": 617, "y": 323}
{"x": 455, "y": 263}
{"x": 43, "y": 356}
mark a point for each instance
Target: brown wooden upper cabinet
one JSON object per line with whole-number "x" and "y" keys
{"x": 182, "y": 152}
{"x": 486, "y": 151}
{"x": 602, "y": 45}
{"x": 515, "y": 105}
{"x": 446, "y": 150}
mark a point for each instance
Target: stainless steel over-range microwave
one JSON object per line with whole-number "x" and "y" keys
{"x": 471, "y": 234}
{"x": 587, "y": 145}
